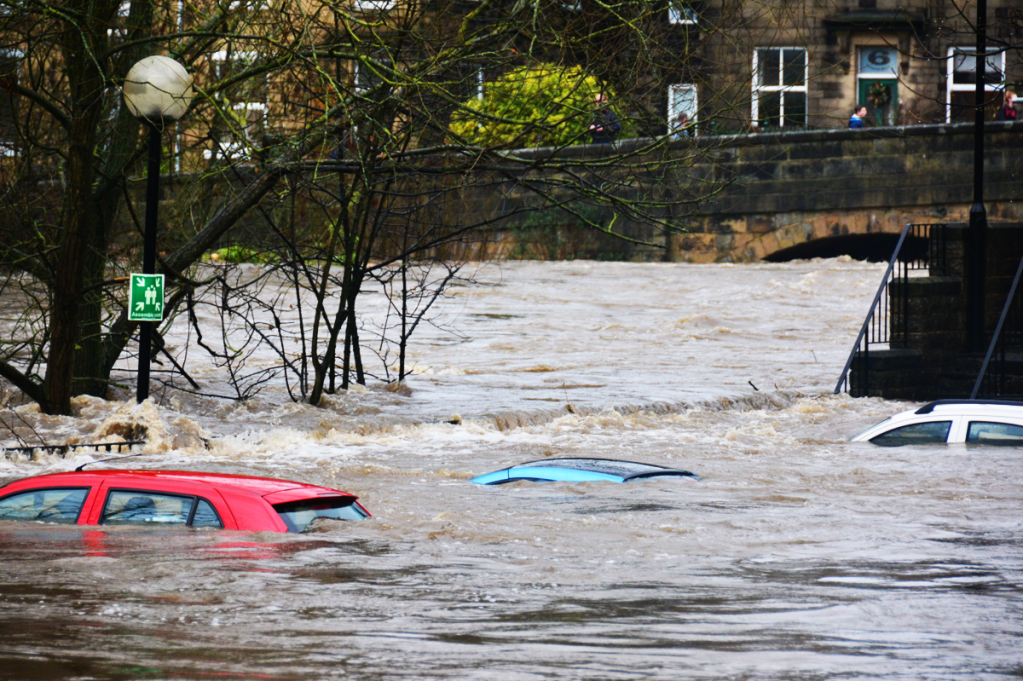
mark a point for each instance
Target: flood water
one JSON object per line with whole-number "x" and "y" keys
{"x": 798, "y": 555}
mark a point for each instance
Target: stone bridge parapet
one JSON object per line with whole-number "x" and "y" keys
{"x": 788, "y": 189}
{"x": 778, "y": 191}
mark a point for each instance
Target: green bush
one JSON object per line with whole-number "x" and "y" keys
{"x": 240, "y": 254}
{"x": 542, "y": 105}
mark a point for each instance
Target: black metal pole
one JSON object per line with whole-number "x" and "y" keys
{"x": 977, "y": 249}
{"x": 149, "y": 255}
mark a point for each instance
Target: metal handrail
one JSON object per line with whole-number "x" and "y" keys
{"x": 870, "y": 315}
{"x": 997, "y": 339}
{"x": 64, "y": 449}
{"x": 882, "y": 330}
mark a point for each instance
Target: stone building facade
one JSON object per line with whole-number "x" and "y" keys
{"x": 811, "y": 63}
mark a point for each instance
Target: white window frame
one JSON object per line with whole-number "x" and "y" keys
{"x": 356, "y": 65}
{"x": 672, "y": 110}
{"x": 356, "y": 68}
{"x": 681, "y": 15}
{"x": 8, "y": 148}
{"x": 238, "y": 149}
{"x": 236, "y": 5}
{"x": 245, "y": 57}
{"x": 951, "y": 86}
{"x": 373, "y": 5}
{"x": 123, "y": 10}
{"x": 757, "y": 88}
{"x": 232, "y": 151}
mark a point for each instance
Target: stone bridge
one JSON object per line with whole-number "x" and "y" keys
{"x": 826, "y": 193}
{"x": 797, "y": 195}
{"x": 784, "y": 195}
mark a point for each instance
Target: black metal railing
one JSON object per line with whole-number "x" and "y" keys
{"x": 63, "y": 450}
{"x": 1006, "y": 346}
{"x": 919, "y": 247}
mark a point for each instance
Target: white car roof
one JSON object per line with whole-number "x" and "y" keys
{"x": 935, "y": 411}
{"x": 972, "y": 408}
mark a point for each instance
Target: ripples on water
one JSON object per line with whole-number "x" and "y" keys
{"x": 799, "y": 555}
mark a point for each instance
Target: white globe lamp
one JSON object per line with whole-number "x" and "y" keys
{"x": 158, "y": 90}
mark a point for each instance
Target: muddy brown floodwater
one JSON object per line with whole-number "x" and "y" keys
{"x": 798, "y": 555}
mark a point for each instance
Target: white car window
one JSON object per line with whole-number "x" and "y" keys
{"x": 991, "y": 433}
{"x": 931, "y": 432}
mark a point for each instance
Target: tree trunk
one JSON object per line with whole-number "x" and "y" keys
{"x": 78, "y": 222}
{"x": 91, "y": 373}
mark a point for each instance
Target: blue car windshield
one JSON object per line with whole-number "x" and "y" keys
{"x": 298, "y": 515}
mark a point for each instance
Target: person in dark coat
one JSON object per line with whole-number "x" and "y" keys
{"x": 605, "y": 126}
{"x": 1007, "y": 112}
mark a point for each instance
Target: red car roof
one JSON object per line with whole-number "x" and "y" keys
{"x": 245, "y": 483}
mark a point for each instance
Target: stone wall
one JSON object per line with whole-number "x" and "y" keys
{"x": 774, "y": 191}
{"x": 780, "y": 190}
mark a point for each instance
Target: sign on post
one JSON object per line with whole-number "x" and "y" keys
{"x": 145, "y": 298}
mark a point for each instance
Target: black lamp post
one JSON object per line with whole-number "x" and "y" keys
{"x": 157, "y": 91}
{"x": 977, "y": 248}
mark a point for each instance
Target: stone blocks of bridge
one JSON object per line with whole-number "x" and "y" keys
{"x": 793, "y": 188}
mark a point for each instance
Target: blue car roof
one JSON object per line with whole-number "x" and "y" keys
{"x": 579, "y": 470}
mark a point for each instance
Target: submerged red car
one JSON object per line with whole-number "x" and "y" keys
{"x": 167, "y": 498}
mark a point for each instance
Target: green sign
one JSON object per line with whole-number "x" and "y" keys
{"x": 145, "y": 298}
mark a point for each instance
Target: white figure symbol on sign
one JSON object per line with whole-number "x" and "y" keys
{"x": 150, "y": 295}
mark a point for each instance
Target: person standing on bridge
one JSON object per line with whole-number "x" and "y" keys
{"x": 683, "y": 127}
{"x": 605, "y": 126}
{"x": 856, "y": 122}
{"x": 1007, "y": 112}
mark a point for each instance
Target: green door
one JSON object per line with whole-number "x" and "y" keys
{"x": 886, "y": 113}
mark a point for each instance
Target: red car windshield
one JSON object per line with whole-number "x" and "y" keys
{"x": 298, "y": 515}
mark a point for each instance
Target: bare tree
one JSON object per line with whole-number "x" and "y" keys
{"x": 321, "y": 138}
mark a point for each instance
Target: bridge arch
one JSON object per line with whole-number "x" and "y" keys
{"x": 872, "y": 247}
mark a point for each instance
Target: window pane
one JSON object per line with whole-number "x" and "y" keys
{"x": 205, "y": 516}
{"x": 768, "y": 67}
{"x": 965, "y": 67}
{"x": 795, "y": 109}
{"x": 879, "y": 61}
{"x": 47, "y": 505}
{"x": 986, "y": 433}
{"x": 916, "y": 434}
{"x": 368, "y": 76}
{"x": 247, "y": 96}
{"x": 770, "y": 109}
{"x": 9, "y": 78}
{"x": 679, "y": 13}
{"x": 146, "y": 508}
{"x": 374, "y": 5}
{"x": 681, "y": 99}
{"x": 795, "y": 67}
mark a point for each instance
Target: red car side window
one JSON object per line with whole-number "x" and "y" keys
{"x": 47, "y": 505}
{"x": 144, "y": 507}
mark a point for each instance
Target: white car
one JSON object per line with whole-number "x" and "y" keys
{"x": 992, "y": 422}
